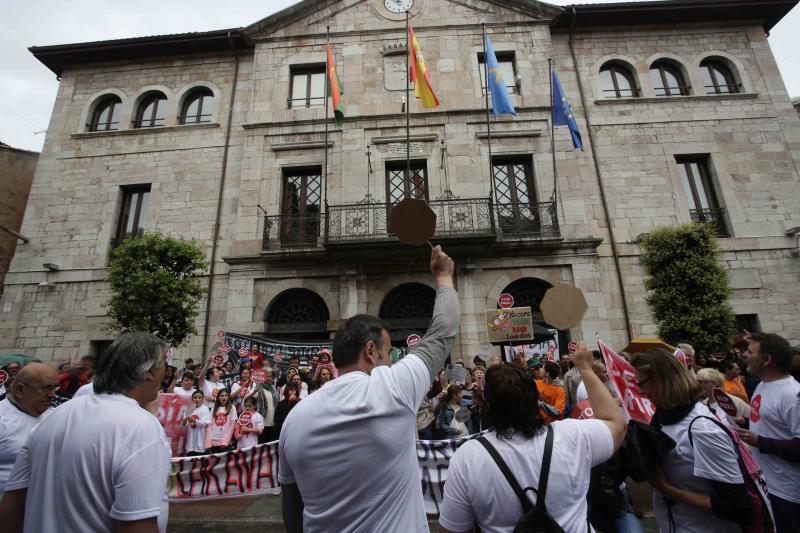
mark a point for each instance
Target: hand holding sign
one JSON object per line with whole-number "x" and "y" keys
{"x": 413, "y": 221}
{"x": 245, "y": 418}
{"x": 259, "y": 376}
{"x": 724, "y": 401}
{"x": 218, "y": 360}
{"x": 413, "y": 340}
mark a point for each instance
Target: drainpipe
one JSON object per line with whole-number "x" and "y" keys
{"x": 609, "y": 223}
{"x": 223, "y": 174}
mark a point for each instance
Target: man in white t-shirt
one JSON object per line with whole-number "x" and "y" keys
{"x": 476, "y": 490}
{"x": 112, "y": 456}
{"x": 28, "y": 403}
{"x": 775, "y": 425}
{"x": 348, "y": 459}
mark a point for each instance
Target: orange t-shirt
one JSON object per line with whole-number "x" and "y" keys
{"x": 552, "y": 395}
{"x": 735, "y": 387}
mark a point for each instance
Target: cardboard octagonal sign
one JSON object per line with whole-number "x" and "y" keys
{"x": 563, "y": 306}
{"x": 413, "y": 221}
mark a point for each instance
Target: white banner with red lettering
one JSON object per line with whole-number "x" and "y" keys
{"x": 622, "y": 377}
{"x": 254, "y": 471}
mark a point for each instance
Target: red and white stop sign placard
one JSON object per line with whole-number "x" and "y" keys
{"x": 506, "y": 301}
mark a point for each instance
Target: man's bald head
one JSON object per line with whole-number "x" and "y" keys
{"x": 34, "y": 388}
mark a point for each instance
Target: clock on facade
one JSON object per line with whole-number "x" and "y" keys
{"x": 398, "y": 6}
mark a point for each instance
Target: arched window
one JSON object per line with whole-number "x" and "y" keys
{"x": 407, "y": 309}
{"x": 197, "y": 107}
{"x": 617, "y": 81}
{"x": 298, "y": 314}
{"x": 106, "y": 114}
{"x": 667, "y": 78}
{"x": 151, "y": 112}
{"x": 718, "y": 77}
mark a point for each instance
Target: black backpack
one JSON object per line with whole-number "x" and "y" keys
{"x": 535, "y": 519}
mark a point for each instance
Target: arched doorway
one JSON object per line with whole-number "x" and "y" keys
{"x": 298, "y": 315}
{"x": 407, "y": 309}
{"x": 530, "y": 292}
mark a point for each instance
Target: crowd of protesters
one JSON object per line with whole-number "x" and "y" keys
{"x": 344, "y": 421}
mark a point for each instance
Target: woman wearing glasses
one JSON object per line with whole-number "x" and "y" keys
{"x": 699, "y": 484}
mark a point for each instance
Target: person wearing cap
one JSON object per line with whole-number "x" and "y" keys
{"x": 536, "y": 368}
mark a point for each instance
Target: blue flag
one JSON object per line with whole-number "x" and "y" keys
{"x": 501, "y": 103}
{"x": 562, "y": 113}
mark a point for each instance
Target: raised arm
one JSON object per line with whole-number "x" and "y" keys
{"x": 604, "y": 405}
{"x": 438, "y": 341}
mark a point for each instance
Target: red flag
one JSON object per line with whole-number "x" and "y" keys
{"x": 681, "y": 355}
{"x": 623, "y": 378}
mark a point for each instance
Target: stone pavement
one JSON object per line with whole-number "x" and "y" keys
{"x": 252, "y": 513}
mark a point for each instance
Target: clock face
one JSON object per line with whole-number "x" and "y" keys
{"x": 398, "y": 6}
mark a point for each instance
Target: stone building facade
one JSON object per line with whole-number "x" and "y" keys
{"x": 683, "y": 114}
{"x": 16, "y": 175}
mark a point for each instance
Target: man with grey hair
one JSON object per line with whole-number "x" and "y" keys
{"x": 28, "y": 402}
{"x": 112, "y": 456}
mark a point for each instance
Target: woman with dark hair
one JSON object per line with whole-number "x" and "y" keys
{"x": 219, "y": 432}
{"x": 449, "y": 425}
{"x": 699, "y": 484}
{"x": 291, "y": 395}
{"x": 477, "y": 492}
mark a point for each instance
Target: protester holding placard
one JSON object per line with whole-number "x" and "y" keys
{"x": 699, "y": 484}
{"x": 347, "y": 455}
{"x": 710, "y": 379}
{"x": 243, "y": 388}
{"x": 250, "y": 425}
{"x": 775, "y": 425}
{"x": 219, "y": 432}
{"x": 477, "y": 492}
{"x": 266, "y": 397}
{"x": 197, "y": 421}
{"x": 100, "y": 462}
{"x": 211, "y": 385}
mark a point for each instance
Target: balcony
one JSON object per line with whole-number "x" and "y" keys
{"x": 473, "y": 219}
{"x": 714, "y": 216}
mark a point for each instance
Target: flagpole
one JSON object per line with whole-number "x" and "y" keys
{"x": 408, "y": 102}
{"x": 486, "y": 101}
{"x": 552, "y": 131}
{"x": 327, "y": 90}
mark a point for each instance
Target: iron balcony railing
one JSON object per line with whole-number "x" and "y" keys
{"x": 292, "y": 231}
{"x": 528, "y": 221}
{"x": 714, "y": 216}
{"x": 368, "y": 222}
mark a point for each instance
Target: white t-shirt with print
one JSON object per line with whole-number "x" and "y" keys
{"x": 196, "y": 436}
{"x": 775, "y": 413}
{"x": 15, "y": 425}
{"x": 477, "y": 491}
{"x": 208, "y": 389}
{"x": 251, "y": 439}
{"x": 106, "y": 459}
{"x": 183, "y": 393}
{"x": 350, "y": 448}
{"x": 712, "y": 458}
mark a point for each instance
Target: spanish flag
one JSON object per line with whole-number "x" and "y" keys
{"x": 335, "y": 89}
{"x": 419, "y": 73}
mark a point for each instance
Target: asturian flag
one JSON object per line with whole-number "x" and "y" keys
{"x": 562, "y": 113}
{"x": 501, "y": 102}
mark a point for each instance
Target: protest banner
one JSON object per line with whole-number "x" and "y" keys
{"x": 171, "y": 412}
{"x": 622, "y": 377}
{"x": 456, "y": 374}
{"x": 254, "y": 471}
{"x": 269, "y": 348}
{"x": 507, "y": 325}
{"x": 582, "y": 410}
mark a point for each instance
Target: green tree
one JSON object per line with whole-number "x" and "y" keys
{"x": 688, "y": 288}
{"x": 155, "y": 286}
